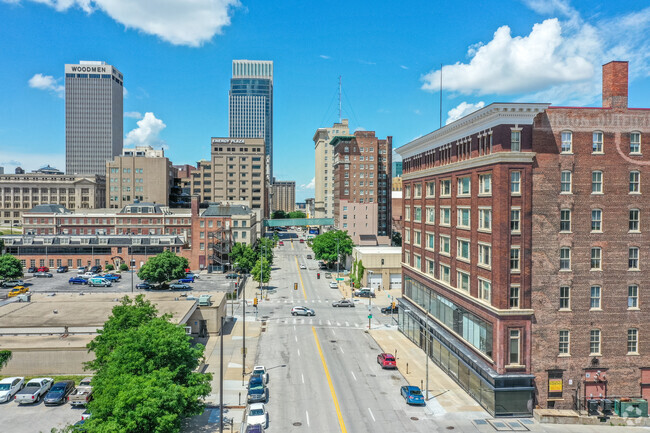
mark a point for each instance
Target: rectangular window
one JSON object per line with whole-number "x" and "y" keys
{"x": 565, "y": 182}
{"x": 407, "y": 236}
{"x": 515, "y": 141}
{"x": 596, "y": 220}
{"x": 485, "y": 184}
{"x": 633, "y": 224}
{"x": 430, "y": 241}
{"x": 462, "y": 249}
{"x": 417, "y": 262}
{"x": 565, "y": 259}
{"x": 445, "y": 273}
{"x": 565, "y": 298}
{"x": 514, "y": 259}
{"x": 445, "y": 246}
{"x": 567, "y": 142}
{"x": 463, "y": 217}
{"x": 514, "y": 346}
{"x": 635, "y": 180}
{"x": 431, "y": 189}
{"x": 445, "y": 216}
{"x": 632, "y": 341}
{"x": 417, "y": 238}
{"x": 633, "y": 259}
{"x": 514, "y": 297}
{"x": 407, "y": 213}
{"x": 597, "y": 144}
{"x": 417, "y": 211}
{"x": 633, "y": 296}
{"x": 515, "y": 182}
{"x": 565, "y": 220}
{"x": 596, "y": 259}
{"x": 431, "y": 214}
{"x": 463, "y": 280}
{"x": 594, "y": 342}
{"x": 445, "y": 188}
{"x": 417, "y": 190}
{"x": 635, "y": 142}
{"x": 515, "y": 215}
{"x": 596, "y": 182}
{"x": 594, "y": 298}
{"x": 484, "y": 290}
{"x": 431, "y": 266}
{"x": 407, "y": 191}
{"x": 564, "y": 342}
{"x": 464, "y": 186}
{"x": 485, "y": 255}
{"x": 485, "y": 219}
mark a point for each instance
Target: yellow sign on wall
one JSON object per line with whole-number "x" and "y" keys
{"x": 555, "y": 385}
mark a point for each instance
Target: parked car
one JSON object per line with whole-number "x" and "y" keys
{"x": 281, "y": 243}
{"x": 9, "y": 386}
{"x": 232, "y": 276}
{"x": 81, "y": 269}
{"x": 328, "y": 275}
{"x": 412, "y": 395}
{"x": 96, "y": 269}
{"x": 309, "y": 256}
{"x": 43, "y": 269}
{"x": 78, "y": 427}
{"x": 255, "y": 380}
{"x": 186, "y": 280}
{"x": 32, "y": 270}
{"x": 334, "y": 285}
{"x": 112, "y": 277}
{"x": 343, "y": 303}
{"x": 258, "y": 394}
{"x": 62, "y": 269}
{"x": 302, "y": 241}
{"x": 192, "y": 275}
{"x": 83, "y": 394}
{"x": 13, "y": 283}
{"x": 99, "y": 282}
{"x": 18, "y": 290}
{"x": 34, "y": 390}
{"x": 256, "y": 414}
{"x": 89, "y": 275}
{"x": 77, "y": 280}
{"x": 255, "y": 428}
{"x": 85, "y": 415}
{"x": 303, "y": 266}
{"x": 145, "y": 286}
{"x": 43, "y": 275}
{"x": 390, "y": 309}
{"x": 59, "y": 392}
{"x": 180, "y": 286}
{"x": 302, "y": 311}
{"x": 386, "y": 360}
{"x": 260, "y": 369}
{"x": 364, "y": 293}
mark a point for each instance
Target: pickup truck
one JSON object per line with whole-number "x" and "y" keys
{"x": 34, "y": 390}
{"x": 82, "y": 394}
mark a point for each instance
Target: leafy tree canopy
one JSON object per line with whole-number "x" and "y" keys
{"x": 5, "y": 356}
{"x": 244, "y": 256}
{"x": 397, "y": 239}
{"x": 324, "y": 245}
{"x": 163, "y": 267}
{"x": 262, "y": 271}
{"x": 265, "y": 246}
{"x": 278, "y": 215}
{"x": 297, "y": 214}
{"x": 10, "y": 267}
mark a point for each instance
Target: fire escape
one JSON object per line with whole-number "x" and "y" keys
{"x": 219, "y": 247}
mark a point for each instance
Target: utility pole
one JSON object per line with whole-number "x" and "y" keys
{"x": 131, "y": 265}
{"x": 221, "y": 379}
{"x": 243, "y": 340}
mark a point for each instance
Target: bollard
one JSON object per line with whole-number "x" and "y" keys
{"x": 421, "y": 384}
{"x": 407, "y": 368}
{"x": 239, "y": 399}
{"x": 395, "y": 353}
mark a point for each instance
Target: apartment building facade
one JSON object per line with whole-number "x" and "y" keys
{"x": 324, "y": 168}
{"x": 284, "y": 195}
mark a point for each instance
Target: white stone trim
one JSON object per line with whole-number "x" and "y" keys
{"x": 494, "y": 158}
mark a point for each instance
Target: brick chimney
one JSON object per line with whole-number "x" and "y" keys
{"x": 615, "y": 85}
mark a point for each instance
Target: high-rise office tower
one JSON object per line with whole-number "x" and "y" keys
{"x": 93, "y": 116}
{"x": 324, "y": 170}
{"x": 251, "y": 104}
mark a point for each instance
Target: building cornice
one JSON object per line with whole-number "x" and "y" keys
{"x": 480, "y": 161}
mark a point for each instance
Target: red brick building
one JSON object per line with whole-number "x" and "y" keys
{"x": 523, "y": 251}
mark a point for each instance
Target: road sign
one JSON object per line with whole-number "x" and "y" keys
{"x": 340, "y": 279}
{"x": 369, "y": 316}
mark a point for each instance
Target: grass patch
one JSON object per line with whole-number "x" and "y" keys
{"x": 76, "y": 379}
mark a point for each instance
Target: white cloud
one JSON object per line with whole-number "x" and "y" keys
{"x": 133, "y": 114}
{"x": 403, "y": 67}
{"x": 323, "y": 56}
{"x": 30, "y": 160}
{"x": 47, "y": 82}
{"x": 147, "y": 133}
{"x": 310, "y": 185}
{"x": 463, "y": 109}
{"x": 125, "y": 93}
{"x": 179, "y": 22}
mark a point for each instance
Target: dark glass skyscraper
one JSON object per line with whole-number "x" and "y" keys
{"x": 251, "y": 104}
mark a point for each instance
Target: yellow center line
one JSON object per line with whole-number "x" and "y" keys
{"x": 329, "y": 382}
{"x": 300, "y": 275}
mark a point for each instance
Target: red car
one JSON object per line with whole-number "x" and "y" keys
{"x": 386, "y": 360}
{"x": 302, "y": 241}
{"x": 43, "y": 269}
{"x": 281, "y": 243}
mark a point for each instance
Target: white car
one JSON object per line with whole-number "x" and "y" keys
{"x": 9, "y": 387}
{"x": 260, "y": 369}
{"x": 302, "y": 311}
{"x": 89, "y": 275}
{"x": 256, "y": 414}
{"x": 303, "y": 267}
{"x": 333, "y": 285}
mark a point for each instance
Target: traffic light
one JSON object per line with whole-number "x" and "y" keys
{"x": 255, "y": 302}
{"x": 318, "y": 276}
{"x": 392, "y": 306}
{"x": 295, "y": 286}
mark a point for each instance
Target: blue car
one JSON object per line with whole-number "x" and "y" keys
{"x": 186, "y": 280}
{"x": 111, "y": 277}
{"x": 77, "y": 280}
{"x": 412, "y": 395}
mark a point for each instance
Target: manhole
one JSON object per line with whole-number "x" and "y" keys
{"x": 450, "y": 427}
{"x": 297, "y": 424}
{"x": 415, "y": 418}
{"x": 373, "y": 375}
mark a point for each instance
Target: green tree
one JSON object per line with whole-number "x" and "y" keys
{"x": 360, "y": 271}
{"x": 145, "y": 377}
{"x": 124, "y": 267}
{"x": 261, "y": 271}
{"x": 244, "y": 256}
{"x": 397, "y": 239}
{"x": 324, "y": 245}
{"x": 110, "y": 267}
{"x": 10, "y": 267}
{"x": 278, "y": 215}
{"x": 297, "y": 214}
{"x": 163, "y": 267}
{"x": 2, "y": 245}
{"x": 265, "y": 247}
{"x": 5, "y": 356}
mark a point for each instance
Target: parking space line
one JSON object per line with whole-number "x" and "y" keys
{"x": 353, "y": 376}
{"x": 371, "y": 415}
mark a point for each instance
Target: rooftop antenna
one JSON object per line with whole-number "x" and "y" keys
{"x": 339, "y": 99}
{"x": 441, "y": 95}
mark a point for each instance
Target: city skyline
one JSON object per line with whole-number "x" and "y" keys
{"x": 179, "y": 72}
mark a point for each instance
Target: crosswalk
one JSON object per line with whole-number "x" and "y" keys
{"x": 312, "y": 321}
{"x": 299, "y": 301}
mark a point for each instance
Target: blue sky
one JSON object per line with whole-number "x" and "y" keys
{"x": 176, "y": 59}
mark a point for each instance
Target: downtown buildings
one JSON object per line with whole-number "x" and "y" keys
{"x": 324, "y": 168}
{"x": 284, "y": 196}
{"x": 523, "y": 251}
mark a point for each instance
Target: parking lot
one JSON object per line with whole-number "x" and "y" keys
{"x": 32, "y": 418}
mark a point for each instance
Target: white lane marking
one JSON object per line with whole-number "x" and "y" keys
{"x": 307, "y": 414}
{"x": 352, "y": 373}
{"x": 329, "y": 323}
{"x": 294, "y": 320}
{"x": 303, "y": 377}
{"x": 371, "y": 415}
{"x": 356, "y": 325}
{"x": 311, "y": 321}
{"x": 294, "y": 327}
{"x": 296, "y": 338}
{"x": 341, "y": 350}
{"x": 347, "y": 324}
{"x": 298, "y": 352}
{"x": 338, "y": 323}
{"x": 320, "y": 322}
{"x": 333, "y": 332}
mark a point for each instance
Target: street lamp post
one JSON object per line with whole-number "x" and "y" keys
{"x": 370, "y": 300}
{"x": 131, "y": 264}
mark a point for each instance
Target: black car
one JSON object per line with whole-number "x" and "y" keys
{"x": 62, "y": 269}
{"x": 43, "y": 275}
{"x": 389, "y": 310}
{"x": 32, "y": 270}
{"x": 96, "y": 269}
{"x": 59, "y": 392}
{"x": 145, "y": 286}
{"x": 232, "y": 276}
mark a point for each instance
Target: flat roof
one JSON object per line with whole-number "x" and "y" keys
{"x": 378, "y": 250}
{"x": 44, "y": 342}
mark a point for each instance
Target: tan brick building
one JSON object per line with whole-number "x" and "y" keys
{"x": 284, "y": 196}
{"x": 324, "y": 168}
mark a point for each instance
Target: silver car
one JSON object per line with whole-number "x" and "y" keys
{"x": 302, "y": 311}
{"x": 343, "y": 303}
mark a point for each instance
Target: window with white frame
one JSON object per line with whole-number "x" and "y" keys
{"x": 635, "y": 182}
{"x": 463, "y": 218}
{"x": 407, "y": 191}
{"x": 565, "y": 259}
{"x": 430, "y": 241}
{"x": 596, "y": 220}
{"x": 417, "y": 214}
{"x": 445, "y": 188}
{"x": 431, "y": 214}
{"x": 514, "y": 259}
{"x": 595, "y": 298}
{"x": 515, "y": 140}
{"x": 464, "y": 186}
{"x": 515, "y": 217}
{"x": 431, "y": 266}
{"x": 514, "y": 298}
{"x": 445, "y": 215}
{"x": 484, "y": 290}
{"x": 565, "y": 298}
{"x": 417, "y": 190}
{"x": 484, "y": 255}
{"x": 633, "y": 259}
{"x": 462, "y": 280}
{"x": 596, "y": 259}
{"x": 417, "y": 262}
{"x": 515, "y": 346}
{"x": 597, "y": 182}
{"x": 407, "y": 236}
{"x": 567, "y": 142}
{"x": 597, "y": 142}
{"x": 515, "y": 182}
{"x": 565, "y": 220}
{"x": 633, "y": 223}
{"x": 417, "y": 237}
{"x": 635, "y": 142}
{"x": 565, "y": 182}
{"x": 632, "y": 296}
{"x": 485, "y": 219}
{"x": 485, "y": 184}
{"x": 407, "y": 257}
{"x": 564, "y": 342}
{"x": 462, "y": 249}
{"x": 407, "y": 213}
{"x": 431, "y": 189}
{"x": 632, "y": 341}
{"x": 594, "y": 342}
{"x": 445, "y": 273}
{"x": 445, "y": 245}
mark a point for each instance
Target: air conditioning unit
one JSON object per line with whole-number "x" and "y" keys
{"x": 188, "y": 330}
